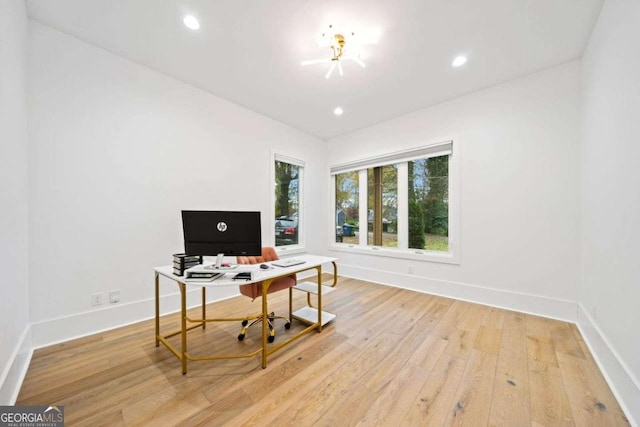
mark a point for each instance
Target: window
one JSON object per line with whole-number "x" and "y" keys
{"x": 382, "y": 196}
{"x": 428, "y": 188}
{"x": 288, "y": 175}
{"x": 404, "y": 199}
{"x": 347, "y": 201}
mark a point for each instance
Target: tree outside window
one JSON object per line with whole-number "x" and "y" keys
{"x": 287, "y": 203}
{"x": 423, "y": 192}
{"x": 428, "y": 189}
{"x": 382, "y": 206}
{"x": 347, "y": 207}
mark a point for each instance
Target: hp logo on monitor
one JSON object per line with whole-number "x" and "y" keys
{"x": 222, "y": 227}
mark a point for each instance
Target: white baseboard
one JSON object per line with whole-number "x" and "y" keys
{"x": 15, "y": 371}
{"x": 524, "y": 303}
{"x": 61, "y": 329}
{"x": 624, "y": 385}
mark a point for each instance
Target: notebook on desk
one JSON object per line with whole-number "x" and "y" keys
{"x": 287, "y": 262}
{"x": 203, "y": 277}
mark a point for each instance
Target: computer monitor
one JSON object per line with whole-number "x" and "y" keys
{"x": 219, "y": 233}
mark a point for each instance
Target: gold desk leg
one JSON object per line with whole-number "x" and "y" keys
{"x": 204, "y": 306}
{"x": 335, "y": 274}
{"x": 183, "y": 322}
{"x": 265, "y": 316}
{"x": 157, "y": 309}
{"x": 333, "y": 285}
{"x": 290, "y": 305}
{"x": 319, "y": 269}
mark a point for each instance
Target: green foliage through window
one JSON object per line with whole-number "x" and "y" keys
{"x": 427, "y": 207}
{"x": 428, "y": 199}
{"x": 287, "y": 204}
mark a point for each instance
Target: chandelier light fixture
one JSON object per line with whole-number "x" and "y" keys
{"x": 344, "y": 46}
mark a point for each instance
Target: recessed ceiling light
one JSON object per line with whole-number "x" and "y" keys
{"x": 191, "y": 22}
{"x": 338, "y": 111}
{"x": 460, "y": 60}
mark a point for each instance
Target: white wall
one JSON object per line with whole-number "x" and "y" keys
{"x": 14, "y": 305}
{"x": 117, "y": 151}
{"x": 610, "y": 274}
{"x": 519, "y": 148}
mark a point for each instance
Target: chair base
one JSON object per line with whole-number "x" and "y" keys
{"x": 258, "y": 319}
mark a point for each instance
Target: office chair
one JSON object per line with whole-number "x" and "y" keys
{"x": 254, "y": 290}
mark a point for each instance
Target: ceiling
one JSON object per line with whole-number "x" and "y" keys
{"x": 249, "y": 51}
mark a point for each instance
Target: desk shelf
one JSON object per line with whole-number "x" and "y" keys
{"x": 310, "y": 315}
{"x": 312, "y": 288}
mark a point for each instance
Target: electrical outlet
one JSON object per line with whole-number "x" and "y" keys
{"x": 96, "y": 299}
{"x": 114, "y": 296}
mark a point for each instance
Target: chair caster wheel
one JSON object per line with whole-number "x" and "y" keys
{"x": 287, "y": 325}
{"x": 240, "y": 337}
{"x": 245, "y": 322}
{"x": 271, "y": 338}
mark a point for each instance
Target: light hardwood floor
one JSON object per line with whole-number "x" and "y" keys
{"x": 391, "y": 357}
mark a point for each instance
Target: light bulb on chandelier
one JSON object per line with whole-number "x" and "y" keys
{"x": 339, "y": 52}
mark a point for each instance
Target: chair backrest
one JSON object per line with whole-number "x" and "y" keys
{"x": 254, "y": 290}
{"x": 268, "y": 254}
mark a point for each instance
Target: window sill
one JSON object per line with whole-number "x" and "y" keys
{"x": 428, "y": 256}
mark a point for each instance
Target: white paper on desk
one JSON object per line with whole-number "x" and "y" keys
{"x": 200, "y": 268}
{"x": 209, "y": 268}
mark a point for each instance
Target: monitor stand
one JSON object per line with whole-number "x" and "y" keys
{"x": 218, "y": 264}
{"x": 219, "y": 259}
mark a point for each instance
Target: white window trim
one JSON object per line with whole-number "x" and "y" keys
{"x": 287, "y": 159}
{"x": 448, "y": 146}
{"x": 363, "y": 213}
{"x": 300, "y": 247}
{"x": 430, "y": 150}
{"x": 403, "y": 207}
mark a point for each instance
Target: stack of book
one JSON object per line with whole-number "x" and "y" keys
{"x": 181, "y": 262}
{"x": 202, "y": 276}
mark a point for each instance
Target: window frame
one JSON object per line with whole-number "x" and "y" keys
{"x": 448, "y": 146}
{"x": 300, "y": 246}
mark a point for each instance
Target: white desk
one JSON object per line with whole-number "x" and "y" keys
{"x": 312, "y": 262}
